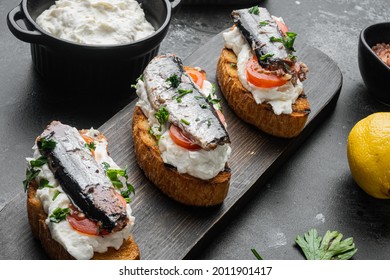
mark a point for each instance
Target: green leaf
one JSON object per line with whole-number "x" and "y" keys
{"x": 126, "y": 193}
{"x": 173, "y": 80}
{"x": 91, "y": 146}
{"x": 31, "y": 174}
{"x": 44, "y": 183}
{"x": 105, "y": 165}
{"x": 162, "y": 115}
{"x": 263, "y": 23}
{"x": 257, "y": 255}
{"x": 38, "y": 162}
{"x": 56, "y": 193}
{"x": 47, "y": 144}
{"x": 330, "y": 247}
{"x": 182, "y": 92}
{"x": 254, "y": 10}
{"x": 141, "y": 77}
{"x": 185, "y": 121}
{"x": 265, "y": 56}
{"x": 59, "y": 214}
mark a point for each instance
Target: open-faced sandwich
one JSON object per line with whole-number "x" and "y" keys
{"x": 179, "y": 133}
{"x": 259, "y": 75}
{"x": 78, "y": 198}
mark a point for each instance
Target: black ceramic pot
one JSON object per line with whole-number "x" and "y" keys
{"x": 89, "y": 69}
{"x": 375, "y": 73}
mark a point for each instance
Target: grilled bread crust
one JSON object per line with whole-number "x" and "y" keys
{"x": 183, "y": 188}
{"x": 37, "y": 217}
{"x": 259, "y": 115}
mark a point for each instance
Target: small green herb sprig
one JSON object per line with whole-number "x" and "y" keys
{"x": 254, "y": 10}
{"x": 59, "y": 214}
{"x": 287, "y": 40}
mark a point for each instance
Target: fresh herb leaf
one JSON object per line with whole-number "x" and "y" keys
{"x": 105, "y": 165}
{"x": 263, "y": 23}
{"x": 203, "y": 106}
{"x": 257, "y": 255}
{"x": 141, "y": 77}
{"x": 113, "y": 174}
{"x": 330, "y": 247}
{"x": 182, "y": 92}
{"x": 213, "y": 88}
{"x": 265, "y": 56}
{"x": 254, "y": 10}
{"x": 292, "y": 57}
{"x": 273, "y": 39}
{"x": 198, "y": 97}
{"x": 38, "y": 162}
{"x": 56, "y": 193}
{"x": 126, "y": 193}
{"x": 162, "y": 116}
{"x": 44, "y": 183}
{"x": 31, "y": 174}
{"x": 91, "y": 146}
{"x": 289, "y": 39}
{"x": 233, "y": 65}
{"x": 47, "y": 144}
{"x": 185, "y": 121}
{"x": 151, "y": 132}
{"x": 173, "y": 80}
{"x": 59, "y": 214}
{"x": 208, "y": 122}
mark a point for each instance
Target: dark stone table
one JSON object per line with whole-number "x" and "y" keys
{"x": 314, "y": 188}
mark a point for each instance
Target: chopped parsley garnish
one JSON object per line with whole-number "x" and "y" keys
{"x": 185, "y": 121}
{"x": 151, "y": 132}
{"x": 59, "y": 214}
{"x": 203, "y": 106}
{"x": 263, "y": 23}
{"x": 56, "y": 193}
{"x": 208, "y": 123}
{"x": 162, "y": 116}
{"x": 292, "y": 57}
{"x": 199, "y": 97}
{"x": 182, "y": 92}
{"x": 126, "y": 193}
{"x": 44, "y": 183}
{"x": 91, "y": 146}
{"x": 265, "y": 56}
{"x": 254, "y": 10}
{"x": 257, "y": 255}
{"x": 113, "y": 174}
{"x": 105, "y": 165}
{"x": 213, "y": 88}
{"x": 31, "y": 174}
{"x": 173, "y": 80}
{"x": 287, "y": 41}
{"x": 47, "y": 144}
{"x": 329, "y": 247}
{"x": 141, "y": 77}
{"x": 233, "y": 65}
{"x": 38, "y": 162}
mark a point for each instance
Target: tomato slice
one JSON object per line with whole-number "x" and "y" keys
{"x": 197, "y": 76}
{"x": 262, "y": 80}
{"x": 84, "y": 225}
{"x": 88, "y": 140}
{"x": 282, "y": 27}
{"x": 181, "y": 140}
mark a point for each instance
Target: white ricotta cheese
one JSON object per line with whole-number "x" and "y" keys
{"x": 281, "y": 98}
{"x": 96, "y": 22}
{"x": 201, "y": 164}
{"x": 79, "y": 245}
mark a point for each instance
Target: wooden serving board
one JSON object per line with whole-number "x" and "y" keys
{"x": 163, "y": 228}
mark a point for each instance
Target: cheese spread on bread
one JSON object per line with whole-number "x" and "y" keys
{"x": 202, "y": 164}
{"x": 280, "y": 98}
{"x": 79, "y": 245}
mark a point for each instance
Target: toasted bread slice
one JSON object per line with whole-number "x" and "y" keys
{"x": 36, "y": 217}
{"x": 180, "y": 187}
{"x": 259, "y": 115}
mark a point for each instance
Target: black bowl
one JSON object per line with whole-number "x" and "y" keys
{"x": 375, "y": 73}
{"x": 89, "y": 69}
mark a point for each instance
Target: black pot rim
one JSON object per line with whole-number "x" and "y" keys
{"x": 68, "y": 43}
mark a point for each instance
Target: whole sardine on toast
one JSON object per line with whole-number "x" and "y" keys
{"x": 265, "y": 38}
{"x": 82, "y": 178}
{"x": 187, "y": 108}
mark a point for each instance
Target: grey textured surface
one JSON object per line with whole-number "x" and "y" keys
{"x": 314, "y": 188}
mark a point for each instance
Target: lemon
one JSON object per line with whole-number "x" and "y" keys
{"x": 368, "y": 152}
